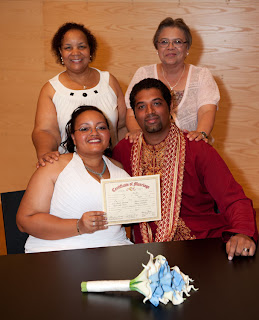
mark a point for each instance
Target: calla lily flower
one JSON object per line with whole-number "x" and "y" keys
{"x": 157, "y": 282}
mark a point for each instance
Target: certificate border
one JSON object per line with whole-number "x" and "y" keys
{"x": 155, "y": 177}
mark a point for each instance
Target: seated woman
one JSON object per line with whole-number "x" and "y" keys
{"x": 62, "y": 206}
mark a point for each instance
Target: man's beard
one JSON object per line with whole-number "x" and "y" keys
{"x": 153, "y": 128}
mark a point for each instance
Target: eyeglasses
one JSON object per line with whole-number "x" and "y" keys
{"x": 178, "y": 43}
{"x": 90, "y": 130}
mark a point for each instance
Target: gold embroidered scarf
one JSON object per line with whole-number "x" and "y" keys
{"x": 167, "y": 159}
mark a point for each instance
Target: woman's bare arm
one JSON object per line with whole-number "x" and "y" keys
{"x": 206, "y": 119}
{"x": 46, "y": 135}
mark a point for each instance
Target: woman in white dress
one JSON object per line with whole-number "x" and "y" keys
{"x": 75, "y": 48}
{"x": 62, "y": 206}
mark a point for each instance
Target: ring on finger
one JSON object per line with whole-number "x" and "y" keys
{"x": 205, "y": 136}
{"x": 245, "y": 249}
{"x": 93, "y": 223}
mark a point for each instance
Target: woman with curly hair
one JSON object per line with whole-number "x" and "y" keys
{"x": 75, "y": 48}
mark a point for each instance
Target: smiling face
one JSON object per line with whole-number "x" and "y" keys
{"x": 171, "y": 54}
{"x": 75, "y": 50}
{"x": 91, "y": 135}
{"x": 152, "y": 114}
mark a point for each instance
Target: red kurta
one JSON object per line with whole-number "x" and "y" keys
{"x": 207, "y": 180}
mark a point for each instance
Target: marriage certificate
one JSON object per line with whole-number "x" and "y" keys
{"x": 132, "y": 200}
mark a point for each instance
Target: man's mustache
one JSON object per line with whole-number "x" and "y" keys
{"x": 151, "y": 117}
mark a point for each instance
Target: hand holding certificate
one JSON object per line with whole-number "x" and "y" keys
{"x": 132, "y": 200}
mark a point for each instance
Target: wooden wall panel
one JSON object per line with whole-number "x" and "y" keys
{"x": 21, "y": 66}
{"x": 225, "y": 39}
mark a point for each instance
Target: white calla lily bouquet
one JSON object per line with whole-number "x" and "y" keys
{"x": 157, "y": 282}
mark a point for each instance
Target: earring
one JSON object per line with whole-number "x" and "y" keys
{"x": 187, "y": 53}
{"x": 90, "y": 58}
{"x": 75, "y": 148}
{"x": 62, "y": 62}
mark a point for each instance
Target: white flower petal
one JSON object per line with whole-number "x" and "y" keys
{"x": 164, "y": 300}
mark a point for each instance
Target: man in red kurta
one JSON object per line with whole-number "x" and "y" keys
{"x": 193, "y": 178}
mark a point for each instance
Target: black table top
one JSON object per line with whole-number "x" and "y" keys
{"x": 47, "y": 285}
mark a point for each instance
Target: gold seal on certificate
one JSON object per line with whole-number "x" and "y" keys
{"x": 132, "y": 200}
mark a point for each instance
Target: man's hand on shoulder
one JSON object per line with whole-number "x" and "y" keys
{"x": 240, "y": 245}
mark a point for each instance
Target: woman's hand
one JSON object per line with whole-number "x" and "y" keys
{"x": 92, "y": 221}
{"x": 240, "y": 245}
{"x": 195, "y": 135}
{"x": 133, "y": 135}
{"x": 132, "y": 126}
{"x": 47, "y": 157}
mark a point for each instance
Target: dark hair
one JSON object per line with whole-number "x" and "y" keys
{"x": 173, "y": 23}
{"x": 59, "y": 35}
{"x": 150, "y": 83}
{"x": 68, "y": 144}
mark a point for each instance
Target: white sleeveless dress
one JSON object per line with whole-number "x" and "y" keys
{"x": 76, "y": 192}
{"x": 101, "y": 96}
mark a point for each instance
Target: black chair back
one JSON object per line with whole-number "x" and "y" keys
{"x": 15, "y": 239}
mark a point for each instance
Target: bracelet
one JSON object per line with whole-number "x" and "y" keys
{"x": 77, "y": 227}
{"x": 204, "y": 134}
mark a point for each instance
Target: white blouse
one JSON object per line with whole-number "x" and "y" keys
{"x": 200, "y": 89}
{"x": 101, "y": 96}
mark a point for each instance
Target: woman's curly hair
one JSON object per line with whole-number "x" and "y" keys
{"x": 59, "y": 35}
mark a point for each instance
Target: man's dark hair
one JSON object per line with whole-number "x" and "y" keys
{"x": 150, "y": 83}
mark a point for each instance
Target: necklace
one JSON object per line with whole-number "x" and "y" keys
{"x": 84, "y": 86}
{"x": 100, "y": 175}
{"x": 172, "y": 87}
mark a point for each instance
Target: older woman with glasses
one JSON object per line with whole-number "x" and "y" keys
{"x": 62, "y": 205}
{"x": 194, "y": 91}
